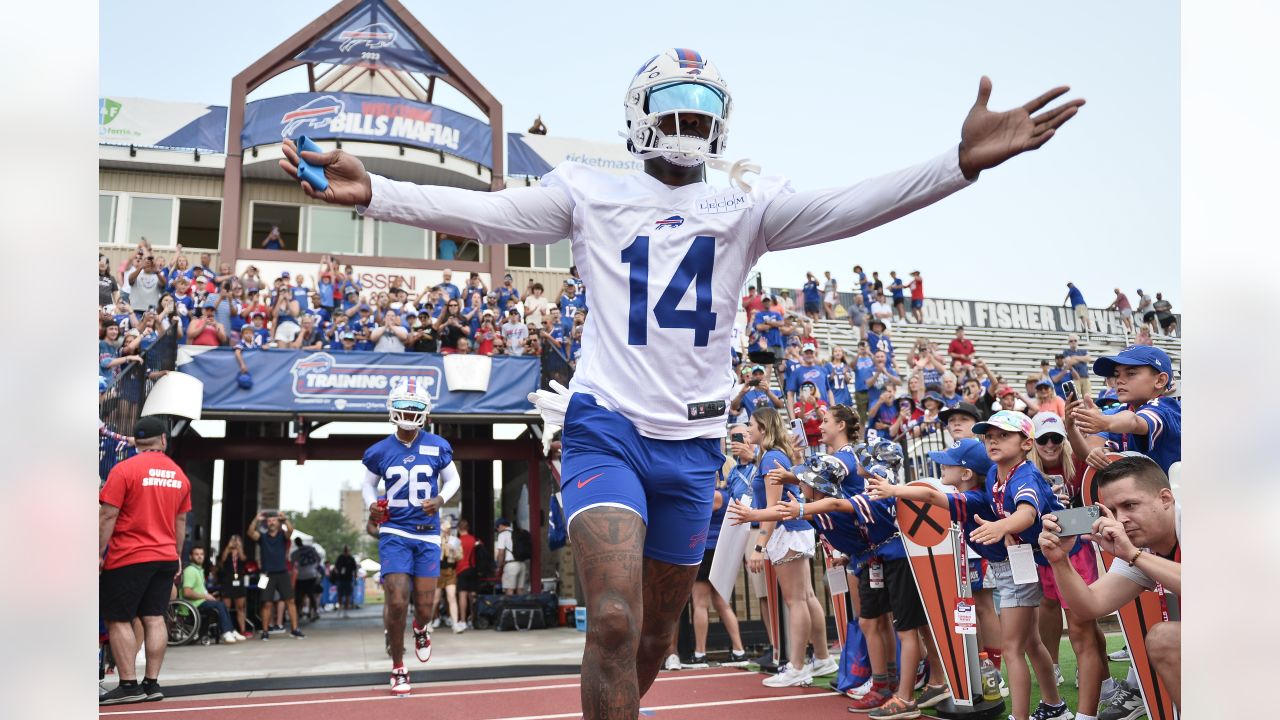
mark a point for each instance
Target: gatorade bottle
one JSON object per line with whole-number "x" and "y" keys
{"x": 990, "y": 678}
{"x": 382, "y": 503}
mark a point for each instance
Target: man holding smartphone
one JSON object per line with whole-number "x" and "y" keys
{"x": 754, "y": 393}
{"x": 273, "y": 548}
{"x": 1141, "y": 525}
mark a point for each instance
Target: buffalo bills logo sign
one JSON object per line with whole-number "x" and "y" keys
{"x": 317, "y": 113}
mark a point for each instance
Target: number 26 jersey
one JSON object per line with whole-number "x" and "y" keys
{"x": 410, "y": 474}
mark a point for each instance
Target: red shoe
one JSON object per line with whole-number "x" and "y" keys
{"x": 400, "y": 681}
{"x": 879, "y": 695}
{"x": 422, "y": 643}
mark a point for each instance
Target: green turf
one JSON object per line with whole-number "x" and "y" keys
{"x": 1067, "y": 662}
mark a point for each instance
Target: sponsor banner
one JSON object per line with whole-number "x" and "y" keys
{"x": 303, "y": 381}
{"x": 370, "y": 277}
{"x": 522, "y": 160}
{"x": 372, "y": 35}
{"x": 154, "y": 123}
{"x": 371, "y": 118}
{"x": 611, "y": 156}
{"x": 1001, "y": 316}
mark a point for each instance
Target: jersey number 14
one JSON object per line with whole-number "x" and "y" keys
{"x": 418, "y": 478}
{"x": 695, "y": 269}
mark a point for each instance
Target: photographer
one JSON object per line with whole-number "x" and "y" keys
{"x": 754, "y": 393}
{"x": 145, "y": 283}
{"x": 422, "y": 336}
{"x": 284, "y": 315}
{"x": 515, "y": 332}
{"x": 205, "y": 328}
{"x": 450, "y": 327}
{"x": 1142, "y": 527}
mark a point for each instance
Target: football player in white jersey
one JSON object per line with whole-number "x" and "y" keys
{"x": 664, "y": 254}
{"x": 417, "y": 471}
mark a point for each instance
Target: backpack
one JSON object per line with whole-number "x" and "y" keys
{"x": 482, "y": 560}
{"x": 521, "y": 544}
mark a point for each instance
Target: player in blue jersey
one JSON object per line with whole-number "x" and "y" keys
{"x": 417, "y": 472}
{"x": 665, "y": 255}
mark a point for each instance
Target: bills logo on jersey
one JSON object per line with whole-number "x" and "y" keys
{"x": 409, "y": 459}
{"x": 674, "y": 221}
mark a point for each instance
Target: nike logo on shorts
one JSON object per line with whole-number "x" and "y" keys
{"x": 583, "y": 483}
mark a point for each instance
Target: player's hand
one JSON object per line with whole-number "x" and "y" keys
{"x": 988, "y": 532}
{"x": 988, "y": 138}
{"x": 739, "y": 513}
{"x": 756, "y": 562}
{"x": 432, "y": 505}
{"x": 1110, "y": 535}
{"x": 780, "y": 475}
{"x": 1097, "y": 458}
{"x": 349, "y": 184}
{"x": 377, "y": 513}
{"x": 878, "y": 488}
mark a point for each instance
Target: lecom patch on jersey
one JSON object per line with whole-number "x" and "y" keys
{"x": 726, "y": 203}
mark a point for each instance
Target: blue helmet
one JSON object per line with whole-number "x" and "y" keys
{"x": 245, "y": 381}
{"x": 887, "y": 452}
{"x": 824, "y": 474}
{"x": 881, "y": 471}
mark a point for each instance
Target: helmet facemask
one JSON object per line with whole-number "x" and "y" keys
{"x": 408, "y": 414}
{"x": 675, "y": 85}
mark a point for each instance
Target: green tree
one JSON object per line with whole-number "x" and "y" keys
{"x": 329, "y": 527}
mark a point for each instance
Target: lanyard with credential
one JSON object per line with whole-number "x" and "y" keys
{"x": 997, "y": 490}
{"x": 1160, "y": 591}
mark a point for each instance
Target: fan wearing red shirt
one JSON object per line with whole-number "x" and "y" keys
{"x": 142, "y": 519}
{"x": 961, "y": 348}
{"x": 810, "y": 408}
{"x": 468, "y": 579}
{"x": 917, "y": 296}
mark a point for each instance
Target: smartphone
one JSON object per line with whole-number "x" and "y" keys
{"x": 738, "y": 438}
{"x": 797, "y": 428}
{"x": 1077, "y": 521}
{"x": 1069, "y": 390}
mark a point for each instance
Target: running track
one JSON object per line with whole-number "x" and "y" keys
{"x": 692, "y": 694}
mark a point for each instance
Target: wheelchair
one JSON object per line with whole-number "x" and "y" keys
{"x": 187, "y": 623}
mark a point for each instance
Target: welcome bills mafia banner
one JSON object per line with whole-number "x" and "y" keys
{"x": 372, "y": 118}
{"x": 306, "y": 381}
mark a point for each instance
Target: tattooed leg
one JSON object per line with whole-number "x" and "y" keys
{"x": 608, "y": 543}
{"x": 667, "y": 588}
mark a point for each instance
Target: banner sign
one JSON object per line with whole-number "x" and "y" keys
{"x": 370, "y": 277}
{"x": 612, "y": 157}
{"x": 154, "y": 123}
{"x": 372, "y": 118}
{"x": 1004, "y": 316}
{"x": 305, "y": 381}
{"x": 371, "y": 35}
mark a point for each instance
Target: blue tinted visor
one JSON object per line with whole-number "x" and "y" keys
{"x": 408, "y": 405}
{"x": 686, "y": 97}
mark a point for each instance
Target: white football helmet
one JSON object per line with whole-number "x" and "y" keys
{"x": 409, "y": 403}
{"x": 673, "y": 82}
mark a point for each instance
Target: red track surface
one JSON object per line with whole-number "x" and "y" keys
{"x": 693, "y": 694}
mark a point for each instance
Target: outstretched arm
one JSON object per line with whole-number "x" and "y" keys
{"x": 538, "y": 215}
{"x": 987, "y": 138}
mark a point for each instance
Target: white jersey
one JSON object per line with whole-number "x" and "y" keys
{"x": 664, "y": 266}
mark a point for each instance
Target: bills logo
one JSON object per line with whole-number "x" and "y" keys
{"x": 317, "y": 113}
{"x": 1050, "y": 420}
{"x": 320, "y": 377}
{"x": 674, "y": 221}
{"x": 373, "y": 37}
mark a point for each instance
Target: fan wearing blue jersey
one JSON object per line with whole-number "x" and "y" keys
{"x": 665, "y": 255}
{"x": 417, "y": 471}
{"x": 1149, "y": 420}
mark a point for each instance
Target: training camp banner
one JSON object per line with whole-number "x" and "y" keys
{"x": 307, "y": 381}
{"x": 371, "y": 118}
{"x": 155, "y": 123}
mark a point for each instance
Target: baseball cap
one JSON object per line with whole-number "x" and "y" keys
{"x": 1005, "y": 390}
{"x": 968, "y": 453}
{"x": 513, "y": 311}
{"x": 1047, "y": 423}
{"x": 1135, "y": 355}
{"x": 808, "y": 347}
{"x": 500, "y": 522}
{"x": 283, "y": 274}
{"x": 757, "y": 368}
{"x": 209, "y": 303}
{"x": 1044, "y": 382}
{"x": 149, "y": 427}
{"x": 964, "y": 408}
{"x": 876, "y": 321}
{"x": 1010, "y": 420}
{"x": 364, "y": 306}
{"x": 348, "y": 335}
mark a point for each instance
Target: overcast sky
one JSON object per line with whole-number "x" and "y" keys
{"x": 825, "y": 94}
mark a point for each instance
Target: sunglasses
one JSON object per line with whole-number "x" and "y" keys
{"x": 1055, "y": 439}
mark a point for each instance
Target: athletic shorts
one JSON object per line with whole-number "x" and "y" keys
{"x": 898, "y": 596}
{"x": 917, "y": 304}
{"x": 704, "y": 570}
{"x": 813, "y": 307}
{"x": 1126, "y": 313}
{"x": 899, "y": 302}
{"x": 977, "y": 572}
{"x": 310, "y": 586}
{"x": 418, "y": 558}
{"x": 1011, "y": 595}
{"x": 1086, "y": 565}
{"x": 279, "y": 587}
{"x": 468, "y": 581}
{"x": 344, "y": 588}
{"x": 668, "y": 483}
{"x": 137, "y": 590}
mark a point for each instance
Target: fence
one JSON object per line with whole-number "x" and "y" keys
{"x": 120, "y": 406}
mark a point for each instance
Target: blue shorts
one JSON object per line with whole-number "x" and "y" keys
{"x": 977, "y": 569}
{"x": 668, "y": 483}
{"x": 418, "y": 558}
{"x": 917, "y": 304}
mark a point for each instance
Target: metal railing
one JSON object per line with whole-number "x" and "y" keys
{"x": 120, "y": 406}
